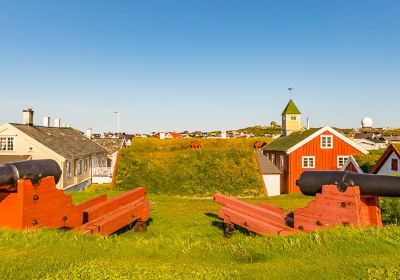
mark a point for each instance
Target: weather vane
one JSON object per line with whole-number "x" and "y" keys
{"x": 290, "y": 89}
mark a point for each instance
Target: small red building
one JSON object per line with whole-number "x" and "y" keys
{"x": 196, "y": 144}
{"x": 307, "y": 150}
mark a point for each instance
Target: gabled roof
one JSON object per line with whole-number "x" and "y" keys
{"x": 284, "y": 143}
{"x": 393, "y": 148}
{"x": 65, "y": 141}
{"x": 265, "y": 165}
{"x": 351, "y": 161}
{"x": 291, "y": 108}
{"x": 112, "y": 145}
{"x": 297, "y": 139}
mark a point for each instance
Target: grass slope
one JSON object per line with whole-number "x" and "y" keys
{"x": 172, "y": 167}
{"x": 184, "y": 241}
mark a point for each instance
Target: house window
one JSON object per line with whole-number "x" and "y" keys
{"x": 281, "y": 162}
{"x": 308, "y": 162}
{"x": 326, "y": 141}
{"x": 273, "y": 158}
{"x": 86, "y": 163}
{"x": 341, "y": 160}
{"x": 395, "y": 164}
{"x": 293, "y": 118}
{"x": 7, "y": 143}
{"x": 68, "y": 169}
{"x": 80, "y": 167}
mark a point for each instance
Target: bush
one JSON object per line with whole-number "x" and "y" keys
{"x": 390, "y": 207}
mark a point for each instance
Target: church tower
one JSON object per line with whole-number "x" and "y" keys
{"x": 291, "y": 119}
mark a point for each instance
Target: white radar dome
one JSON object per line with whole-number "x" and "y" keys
{"x": 367, "y": 122}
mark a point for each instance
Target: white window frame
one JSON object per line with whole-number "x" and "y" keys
{"x": 68, "y": 169}
{"x": 325, "y": 145}
{"x": 7, "y": 143}
{"x": 308, "y": 158}
{"x": 273, "y": 158}
{"x": 343, "y": 159}
{"x": 86, "y": 165}
{"x": 281, "y": 161}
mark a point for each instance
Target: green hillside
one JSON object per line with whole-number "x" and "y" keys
{"x": 173, "y": 167}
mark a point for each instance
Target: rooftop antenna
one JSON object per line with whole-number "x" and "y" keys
{"x": 117, "y": 113}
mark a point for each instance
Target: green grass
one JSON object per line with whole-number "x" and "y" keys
{"x": 172, "y": 167}
{"x": 184, "y": 241}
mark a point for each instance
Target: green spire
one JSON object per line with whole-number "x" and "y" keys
{"x": 291, "y": 108}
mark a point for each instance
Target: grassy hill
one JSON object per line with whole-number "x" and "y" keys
{"x": 173, "y": 167}
{"x": 184, "y": 241}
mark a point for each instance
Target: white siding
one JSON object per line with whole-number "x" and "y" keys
{"x": 386, "y": 168}
{"x": 272, "y": 183}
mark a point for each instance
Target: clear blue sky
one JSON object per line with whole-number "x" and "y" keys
{"x": 174, "y": 65}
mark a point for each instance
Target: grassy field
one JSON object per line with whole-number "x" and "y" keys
{"x": 184, "y": 241}
{"x": 172, "y": 167}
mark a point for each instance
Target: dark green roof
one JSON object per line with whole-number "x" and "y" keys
{"x": 291, "y": 108}
{"x": 284, "y": 143}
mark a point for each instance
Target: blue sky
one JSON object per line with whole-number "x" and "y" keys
{"x": 208, "y": 65}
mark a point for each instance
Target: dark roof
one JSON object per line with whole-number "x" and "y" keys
{"x": 65, "y": 141}
{"x": 291, "y": 108}
{"x": 266, "y": 166}
{"x": 110, "y": 144}
{"x": 12, "y": 158}
{"x": 284, "y": 143}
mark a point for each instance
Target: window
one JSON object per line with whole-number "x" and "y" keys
{"x": 326, "y": 141}
{"x": 341, "y": 160}
{"x": 68, "y": 169}
{"x": 80, "y": 167}
{"x": 273, "y": 158}
{"x": 308, "y": 162}
{"x": 7, "y": 143}
{"x": 281, "y": 162}
{"x": 395, "y": 164}
{"x": 293, "y": 118}
{"x": 85, "y": 166}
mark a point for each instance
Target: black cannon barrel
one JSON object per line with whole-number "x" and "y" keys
{"x": 311, "y": 182}
{"x": 32, "y": 169}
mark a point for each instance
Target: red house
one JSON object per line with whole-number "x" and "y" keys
{"x": 309, "y": 149}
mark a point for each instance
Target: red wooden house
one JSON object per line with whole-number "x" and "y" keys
{"x": 307, "y": 150}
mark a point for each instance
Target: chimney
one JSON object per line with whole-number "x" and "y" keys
{"x": 27, "y": 116}
{"x": 46, "y": 121}
{"x": 88, "y": 133}
{"x": 57, "y": 122}
{"x": 308, "y": 123}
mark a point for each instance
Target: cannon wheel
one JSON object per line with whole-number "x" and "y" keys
{"x": 229, "y": 229}
{"x": 140, "y": 226}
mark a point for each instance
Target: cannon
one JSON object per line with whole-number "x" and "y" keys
{"x": 341, "y": 198}
{"x": 311, "y": 182}
{"x": 10, "y": 173}
{"x": 29, "y": 199}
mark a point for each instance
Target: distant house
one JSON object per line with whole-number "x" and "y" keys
{"x": 370, "y": 141}
{"x": 388, "y": 164}
{"x": 299, "y": 149}
{"x": 196, "y": 144}
{"x": 351, "y": 165}
{"x": 76, "y": 154}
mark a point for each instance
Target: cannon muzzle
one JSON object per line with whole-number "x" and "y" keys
{"x": 30, "y": 169}
{"x": 311, "y": 182}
